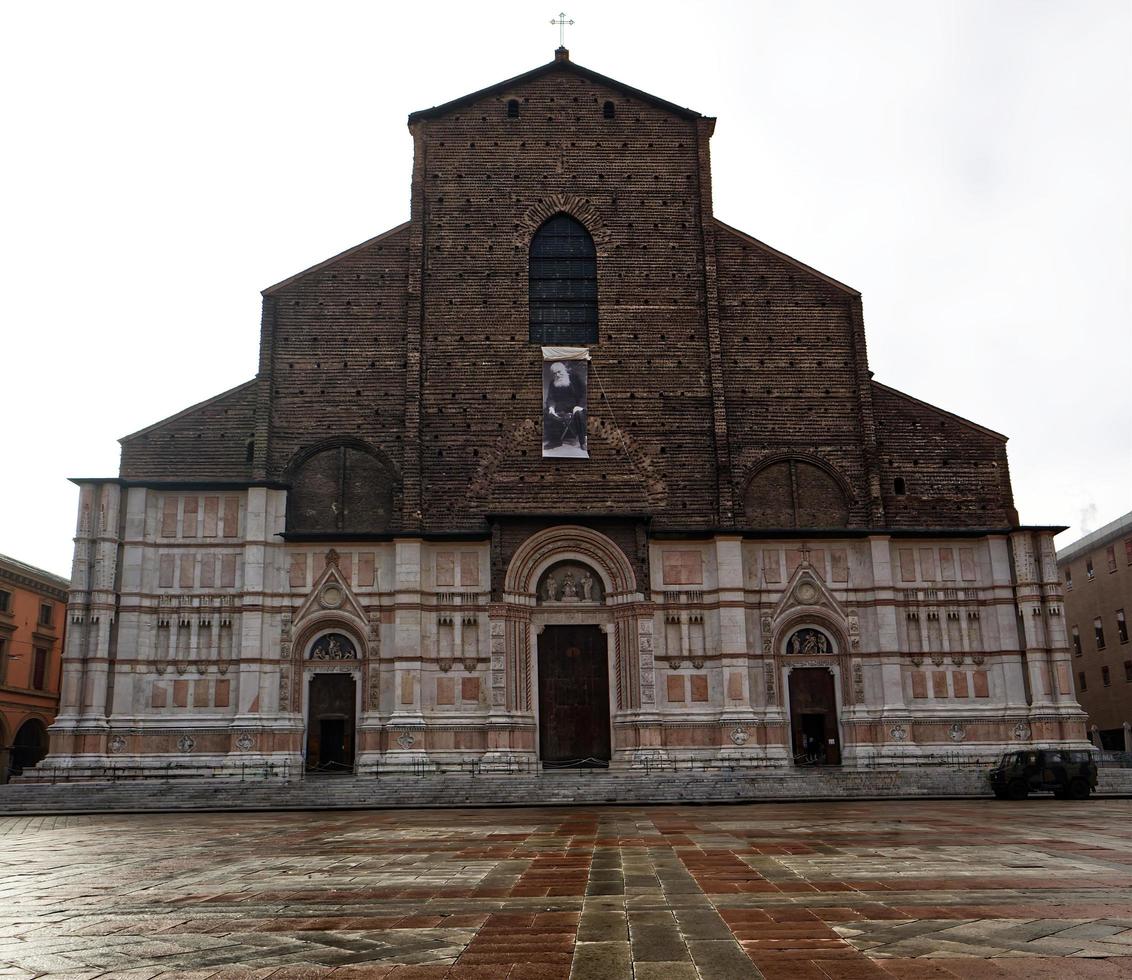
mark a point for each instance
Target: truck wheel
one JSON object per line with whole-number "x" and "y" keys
{"x": 1079, "y": 789}
{"x": 1017, "y": 790}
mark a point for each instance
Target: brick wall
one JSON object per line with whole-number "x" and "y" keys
{"x": 488, "y": 181}
{"x": 791, "y": 370}
{"x": 955, "y": 473}
{"x": 207, "y": 441}
{"x": 336, "y": 337}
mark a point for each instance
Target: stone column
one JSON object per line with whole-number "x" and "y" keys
{"x": 103, "y": 609}
{"x": 510, "y": 723}
{"x": 737, "y": 718}
{"x": 406, "y": 729}
{"x": 135, "y": 628}
{"x": 896, "y": 715}
{"x": 252, "y": 701}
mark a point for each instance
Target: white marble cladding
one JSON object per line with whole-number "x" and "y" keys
{"x": 189, "y": 608}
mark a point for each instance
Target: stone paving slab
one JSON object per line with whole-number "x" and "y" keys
{"x": 801, "y": 891}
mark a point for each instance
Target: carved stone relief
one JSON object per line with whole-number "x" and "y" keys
{"x": 333, "y": 646}
{"x": 809, "y": 642}
{"x": 570, "y": 582}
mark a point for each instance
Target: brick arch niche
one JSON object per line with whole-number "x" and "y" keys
{"x": 796, "y": 491}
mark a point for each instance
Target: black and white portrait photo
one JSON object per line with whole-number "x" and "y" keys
{"x": 564, "y": 393}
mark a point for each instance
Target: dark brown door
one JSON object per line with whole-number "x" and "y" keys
{"x": 573, "y": 697}
{"x": 813, "y": 717}
{"x": 330, "y": 723}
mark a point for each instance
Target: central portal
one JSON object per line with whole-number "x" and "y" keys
{"x": 330, "y": 723}
{"x": 573, "y": 697}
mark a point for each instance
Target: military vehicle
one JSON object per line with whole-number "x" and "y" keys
{"x": 1067, "y": 773}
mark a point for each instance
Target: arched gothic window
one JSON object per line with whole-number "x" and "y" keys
{"x": 563, "y": 283}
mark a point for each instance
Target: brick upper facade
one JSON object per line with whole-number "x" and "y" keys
{"x": 726, "y": 379}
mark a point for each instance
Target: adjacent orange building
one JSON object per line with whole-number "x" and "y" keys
{"x": 33, "y": 616}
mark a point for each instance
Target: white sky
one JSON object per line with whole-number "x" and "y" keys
{"x": 965, "y": 164}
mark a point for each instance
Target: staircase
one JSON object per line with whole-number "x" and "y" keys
{"x": 491, "y": 790}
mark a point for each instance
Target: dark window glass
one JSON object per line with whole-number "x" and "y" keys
{"x": 39, "y": 671}
{"x": 1082, "y": 684}
{"x": 1068, "y": 577}
{"x": 1098, "y": 633}
{"x": 1121, "y": 626}
{"x": 1089, "y": 567}
{"x": 1076, "y": 641}
{"x": 563, "y": 283}
{"x": 1105, "y": 678}
{"x": 609, "y": 110}
{"x": 1110, "y": 554}
{"x": 512, "y": 108}
{"x": 1128, "y": 670}
{"x": 898, "y": 486}
{"x": 5, "y": 601}
{"x": 45, "y": 614}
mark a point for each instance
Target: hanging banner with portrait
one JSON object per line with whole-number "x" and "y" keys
{"x": 565, "y": 393}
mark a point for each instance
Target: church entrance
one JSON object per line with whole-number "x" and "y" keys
{"x": 573, "y": 698}
{"x": 813, "y": 717}
{"x": 330, "y": 723}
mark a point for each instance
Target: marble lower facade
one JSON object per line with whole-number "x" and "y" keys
{"x": 203, "y": 639}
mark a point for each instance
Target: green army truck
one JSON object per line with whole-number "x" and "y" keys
{"x": 1070, "y": 774}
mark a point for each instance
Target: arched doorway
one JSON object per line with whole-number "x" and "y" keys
{"x": 29, "y": 746}
{"x": 331, "y": 702}
{"x": 815, "y": 732}
{"x": 573, "y": 697}
{"x": 574, "y": 715}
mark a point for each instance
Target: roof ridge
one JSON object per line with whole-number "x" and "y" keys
{"x": 558, "y": 64}
{"x": 943, "y": 411}
{"x": 186, "y": 411}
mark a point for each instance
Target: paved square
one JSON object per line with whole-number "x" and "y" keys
{"x": 977, "y": 889}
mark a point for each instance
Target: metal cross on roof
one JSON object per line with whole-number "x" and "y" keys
{"x": 562, "y": 24}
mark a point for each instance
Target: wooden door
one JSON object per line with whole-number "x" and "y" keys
{"x": 330, "y": 723}
{"x": 573, "y": 697}
{"x": 813, "y": 717}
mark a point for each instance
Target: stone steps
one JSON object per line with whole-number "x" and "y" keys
{"x": 534, "y": 789}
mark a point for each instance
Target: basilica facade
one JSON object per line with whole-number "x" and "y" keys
{"x": 562, "y": 471}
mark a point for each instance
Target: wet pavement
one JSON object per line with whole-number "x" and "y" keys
{"x": 922, "y": 890}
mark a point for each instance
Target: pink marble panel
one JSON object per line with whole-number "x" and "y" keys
{"x": 683, "y": 567}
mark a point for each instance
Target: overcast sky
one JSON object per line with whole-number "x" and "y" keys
{"x": 965, "y": 164}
